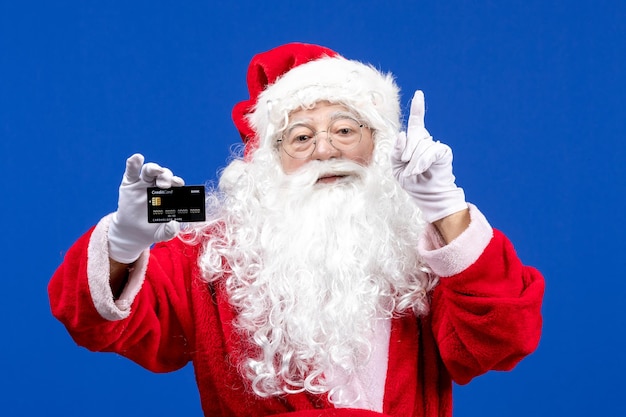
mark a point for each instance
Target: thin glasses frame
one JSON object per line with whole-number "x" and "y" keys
{"x": 331, "y": 136}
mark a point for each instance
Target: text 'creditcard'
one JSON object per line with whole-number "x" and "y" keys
{"x": 183, "y": 204}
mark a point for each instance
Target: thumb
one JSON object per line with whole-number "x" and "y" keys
{"x": 399, "y": 146}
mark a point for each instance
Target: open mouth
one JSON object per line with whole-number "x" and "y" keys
{"x": 333, "y": 177}
{"x": 327, "y": 179}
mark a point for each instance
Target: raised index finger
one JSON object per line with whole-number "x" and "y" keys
{"x": 416, "y": 117}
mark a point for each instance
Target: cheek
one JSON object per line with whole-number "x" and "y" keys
{"x": 289, "y": 164}
{"x": 363, "y": 153}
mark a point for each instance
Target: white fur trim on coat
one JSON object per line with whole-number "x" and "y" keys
{"x": 98, "y": 272}
{"x": 462, "y": 252}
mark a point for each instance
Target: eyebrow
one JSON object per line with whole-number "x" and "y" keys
{"x": 308, "y": 121}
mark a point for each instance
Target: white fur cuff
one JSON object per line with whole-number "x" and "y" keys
{"x": 98, "y": 275}
{"x": 462, "y": 252}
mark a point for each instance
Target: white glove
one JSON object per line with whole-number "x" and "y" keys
{"x": 129, "y": 230}
{"x": 423, "y": 168}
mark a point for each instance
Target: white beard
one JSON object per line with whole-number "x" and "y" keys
{"x": 313, "y": 266}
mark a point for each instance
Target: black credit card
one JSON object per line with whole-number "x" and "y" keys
{"x": 183, "y": 204}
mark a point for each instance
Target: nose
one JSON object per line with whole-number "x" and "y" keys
{"x": 323, "y": 148}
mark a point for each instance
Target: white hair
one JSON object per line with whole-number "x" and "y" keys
{"x": 309, "y": 267}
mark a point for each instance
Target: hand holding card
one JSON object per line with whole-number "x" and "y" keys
{"x": 129, "y": 232}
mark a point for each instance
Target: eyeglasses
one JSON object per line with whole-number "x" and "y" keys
{"x": 343, "y": 133}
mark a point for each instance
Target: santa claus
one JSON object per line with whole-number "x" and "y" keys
{"x": 340, "y": 270}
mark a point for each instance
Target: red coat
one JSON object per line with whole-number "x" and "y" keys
{"x": 484, "y": 315}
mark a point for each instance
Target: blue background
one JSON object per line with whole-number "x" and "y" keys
{"x": 529, "y": 94}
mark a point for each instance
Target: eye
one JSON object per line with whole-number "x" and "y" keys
{"x": 300, "y": 138}
{"x": 300, "y": 135}
{"x": 344, "y": 131}
{"x": 345, "y": 127}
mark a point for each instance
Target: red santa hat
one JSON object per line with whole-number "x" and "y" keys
{"x": 298, "y": 75}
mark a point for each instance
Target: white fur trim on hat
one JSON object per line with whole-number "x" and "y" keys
{"x": 372, "y": 94}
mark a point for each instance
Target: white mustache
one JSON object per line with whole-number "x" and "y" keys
{"x": 311, "y": 172}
